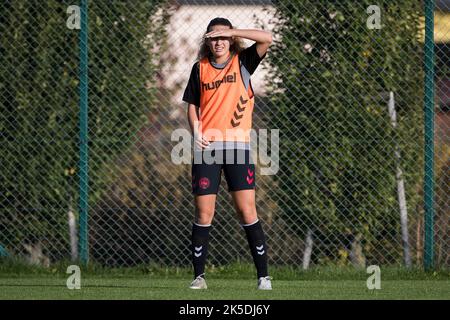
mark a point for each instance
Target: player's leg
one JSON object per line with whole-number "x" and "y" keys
{"x": 204, "y": 209}
{"x": 244, "y": 201}
{"x": 205, "y": 184}
{"x": 241, "y": 182}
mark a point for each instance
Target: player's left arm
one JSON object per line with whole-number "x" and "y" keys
{"x": 262, "y": 38}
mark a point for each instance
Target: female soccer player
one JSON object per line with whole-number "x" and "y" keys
{"x": 220, "y": 104}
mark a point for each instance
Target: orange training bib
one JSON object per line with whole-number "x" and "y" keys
{"x": 226, "y": 107}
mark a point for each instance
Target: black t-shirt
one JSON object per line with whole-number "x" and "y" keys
{"x": 248, "y": 58}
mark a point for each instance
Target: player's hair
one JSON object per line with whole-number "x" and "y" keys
{"x": 235, "y": 48}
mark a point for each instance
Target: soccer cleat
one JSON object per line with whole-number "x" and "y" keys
{"x": 264, "y": 283}
{"x": 198, "y": 283}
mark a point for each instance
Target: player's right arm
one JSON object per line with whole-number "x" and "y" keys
{"x": 193, "y": 114}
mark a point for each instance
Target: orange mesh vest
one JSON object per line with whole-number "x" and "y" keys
{"x": 225, "y": 105}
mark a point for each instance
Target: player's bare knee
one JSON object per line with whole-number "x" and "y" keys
{"x": 204, "y": 217}
{"x": 247, "y": 214}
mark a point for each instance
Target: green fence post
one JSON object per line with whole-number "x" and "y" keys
{"x": 84, "y": 165}
{"x": 429, "y": 135}
{"x": 3, "y": 252}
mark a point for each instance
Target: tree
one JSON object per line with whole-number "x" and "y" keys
{"x": 330, "y": 79}
{"x": 39, "y": 108}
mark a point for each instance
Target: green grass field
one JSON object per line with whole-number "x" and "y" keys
{"x": 219, "y": 289}
{"x": 234, "y": 282}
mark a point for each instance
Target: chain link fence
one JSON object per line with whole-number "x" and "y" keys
{"x": 442, "y": 131}
{"x": 344, "y": 83}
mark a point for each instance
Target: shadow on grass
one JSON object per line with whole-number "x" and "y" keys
{"x": 85, "y": 286}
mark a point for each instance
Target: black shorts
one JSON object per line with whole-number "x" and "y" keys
{"x": 237, "y": 166}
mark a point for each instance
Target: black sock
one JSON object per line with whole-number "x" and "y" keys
{"x": 199, "y": 248}
{"x": 258, "y": 248}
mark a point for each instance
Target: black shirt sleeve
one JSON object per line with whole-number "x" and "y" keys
{"x": 192, "y": 92}
{"x": 250, "y": 58}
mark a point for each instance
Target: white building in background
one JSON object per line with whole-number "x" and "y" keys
{"x": 188, "y": 24}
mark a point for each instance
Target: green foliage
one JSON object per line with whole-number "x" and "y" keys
{"x": 332, "y": 79}
{"x": 39, "y": 107}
